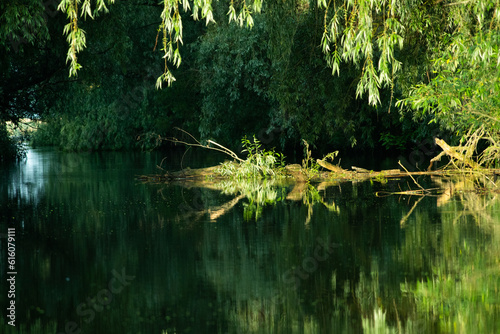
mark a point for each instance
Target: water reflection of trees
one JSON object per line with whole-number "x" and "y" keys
{"x": 436, "y": 272}
{"x": 256, "y": 193}
{"x": 257, "y": 267}
{"x": 453, "y": 259}
{"x": 203, "y": 264}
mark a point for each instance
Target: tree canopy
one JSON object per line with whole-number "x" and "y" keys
{"x": 367, "y": 33}
{"x": 331, "y": 72}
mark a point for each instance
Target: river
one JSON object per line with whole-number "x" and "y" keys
{"x": 97, "y": 251}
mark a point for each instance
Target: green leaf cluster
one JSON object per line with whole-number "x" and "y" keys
{"x": 465, "y": 89}
{"x": 259, "y": 163}
{"x": 22, "y": 22}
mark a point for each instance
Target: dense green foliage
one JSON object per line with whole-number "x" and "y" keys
{"x": 338, "y": 74}
{"x": 234, "y": 79}
{"x": 109, "y": 105}
{"x": 461, "y": 90}
{"x": 10, "y": 150}
{"x": 273, "y": 79}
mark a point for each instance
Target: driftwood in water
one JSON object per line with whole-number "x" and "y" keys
{"x": 329, "y": 166}
{"x": 293, "y": 171}
{"x": 452, "y": 152}
{"x": 334, "y": 173}
{"x": 187, "y": 174}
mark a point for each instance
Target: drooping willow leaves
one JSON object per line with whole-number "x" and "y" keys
{"x": 367, "y": 33}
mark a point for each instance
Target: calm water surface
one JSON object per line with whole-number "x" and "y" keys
{"x": 99, "y": 252}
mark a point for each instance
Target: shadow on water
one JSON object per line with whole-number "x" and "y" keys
{"x": 98, "y": 252}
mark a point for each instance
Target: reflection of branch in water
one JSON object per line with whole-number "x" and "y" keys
{"x": 475, "y": 205}
{"x": 222, "y": 209}
{"x": 297, "y": 192}
{"x": 464, "y": 189}
{"x": 309, "y": 214}
{"x": 214, "y": 212}
{"x": 259, "y": 193}
{"x": 425, "y": 192}
{"x": 310, "y": 196}
{"x": 403, "y": 220}
{"x": 331, "y": 207}
{"x": 198, "y": 210}
{"x": 449, "y": 189}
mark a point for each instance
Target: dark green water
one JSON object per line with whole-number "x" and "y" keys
{"x": 99, "y": 252}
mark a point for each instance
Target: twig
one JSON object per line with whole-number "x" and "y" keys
{"x": 161, "y": 163}
{"x": 226, "y": 150}
{"x": 182, "y": 159}
{"x": 190, "y": 135}
{"x": 399, "y": 162}
{"x": 198, "y": 144}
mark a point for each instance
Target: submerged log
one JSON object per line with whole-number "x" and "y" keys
{"x": 295, "y": 172}
{"x": 329, "y": 166}
{"x": 360, "y": 170}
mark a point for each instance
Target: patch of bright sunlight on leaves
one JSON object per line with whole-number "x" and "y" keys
{"x": 377, "y": 324}
{"x": 259, "y": 163}
{"x": 76, "y": 36}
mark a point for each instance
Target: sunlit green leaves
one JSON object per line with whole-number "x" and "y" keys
{"x": 321, "y": 3}
{"x": 259, "y": 163}
{"x": 201, "y": 9}
{"x": 75, "y": 35}
{"x": 352, "y": 35}
{"x": 232, "y": 13}
{"x": 167, "y": 77}
{"x": 101, "y": 5}
{"x": 172, "y": 31}
{"x": 86, "y": 10}
{"x": 465, "y": 90}
{"x": 369, "y": 83}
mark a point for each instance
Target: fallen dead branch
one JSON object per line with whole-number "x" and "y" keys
{"x": 463, "y": 156}
{"x": 218, "y": 147}
{"x": 453, "y": 152}
{"x": 419, "y": 192}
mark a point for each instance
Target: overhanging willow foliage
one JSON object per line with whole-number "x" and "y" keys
{"x": 368, "y": 33}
